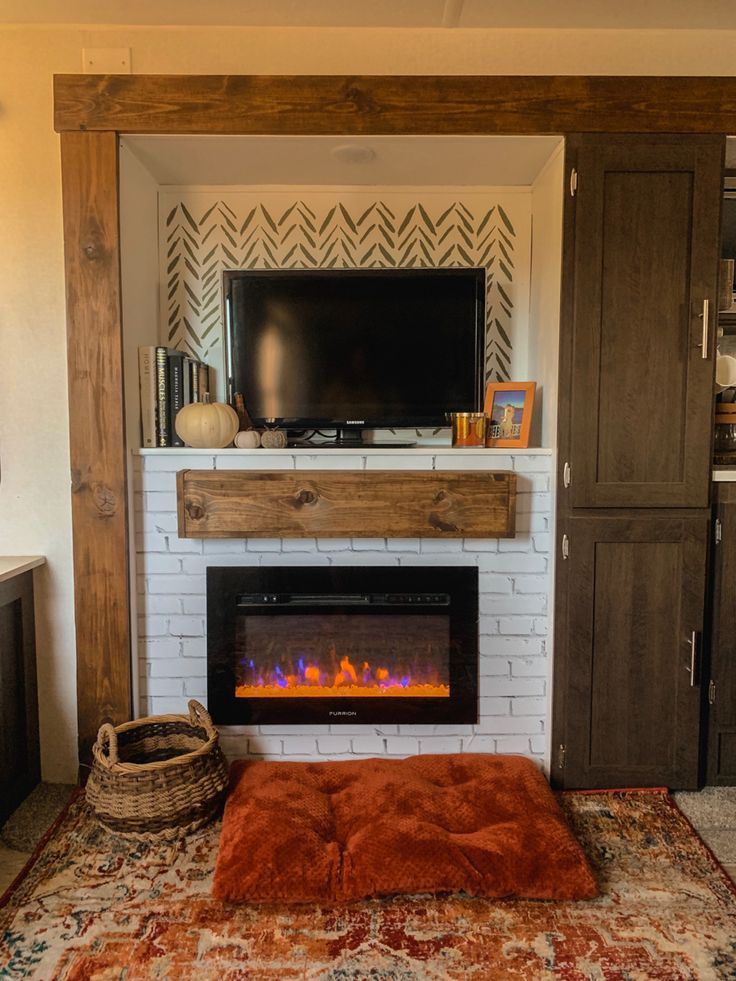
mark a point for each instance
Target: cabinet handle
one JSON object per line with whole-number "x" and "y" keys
{"x": 705, "y": 316}
{"x": 693, "y": 656}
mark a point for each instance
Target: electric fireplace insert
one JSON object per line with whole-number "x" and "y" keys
{"x": 308, "y": 645}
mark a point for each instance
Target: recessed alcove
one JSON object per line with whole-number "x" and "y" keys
{"x": 192, "y": 206}
{"x": 183, "y": 199}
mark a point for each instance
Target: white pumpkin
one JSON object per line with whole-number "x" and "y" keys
{"x": 207, "y": 424}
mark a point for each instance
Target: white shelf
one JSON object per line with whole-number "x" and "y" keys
{"x": 429, "y": 450}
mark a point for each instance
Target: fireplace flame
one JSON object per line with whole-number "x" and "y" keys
{"x": 347, "y": 674}
{"x": 304, "y": 677}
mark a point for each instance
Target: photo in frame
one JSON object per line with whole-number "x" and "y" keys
{"x": 509, "y": 407}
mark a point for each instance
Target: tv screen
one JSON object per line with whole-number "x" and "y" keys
{"x": 355, "y": 348}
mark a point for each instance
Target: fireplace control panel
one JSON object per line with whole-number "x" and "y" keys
{"x": 423, "y": 599}
{"x": 343, "y": 599}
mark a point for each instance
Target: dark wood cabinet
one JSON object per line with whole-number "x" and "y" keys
{"x": 634, "y": 630}
{"x": 20, "y": 768}
{"x": 637, "y": 350}
{"x": 645, "y": 254}
{"x": 722, "y": 674}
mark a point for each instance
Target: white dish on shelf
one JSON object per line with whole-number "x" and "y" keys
{"x": 725, "y": 371}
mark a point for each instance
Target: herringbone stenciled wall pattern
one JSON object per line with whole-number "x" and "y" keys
{"x": 203, "y": 233}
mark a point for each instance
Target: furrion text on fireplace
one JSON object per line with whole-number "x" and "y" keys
{"x": 310, "y": 645}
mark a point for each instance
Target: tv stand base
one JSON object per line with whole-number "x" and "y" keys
{"x": 342, "y": 444}
{"x": 348, "y": 439}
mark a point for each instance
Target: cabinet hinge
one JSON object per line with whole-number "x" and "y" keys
{"x": 565, "y": 547}
{"x": 567, "y": 474}
{"x": 711, "y": 692}
{"x": 561, "y": 750}
{"x": 573, "y": 182}
{"x": 718, "y": 532}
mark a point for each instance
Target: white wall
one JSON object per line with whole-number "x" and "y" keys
{"x": 34, "y": 493}
{"x": 35, "y": 504}
{"x": 140, "y": 303}
{"x": 139, "y": 261}
{"x": 544, "y": 302}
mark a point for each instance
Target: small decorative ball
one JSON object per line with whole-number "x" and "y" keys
{"x": 207, "y": 424}
{"x": 273, "y": 439}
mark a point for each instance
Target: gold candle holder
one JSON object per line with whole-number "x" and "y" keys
{"x": 468, "y": 428}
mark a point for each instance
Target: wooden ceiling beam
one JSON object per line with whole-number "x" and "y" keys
{"x": 390, "y": 104}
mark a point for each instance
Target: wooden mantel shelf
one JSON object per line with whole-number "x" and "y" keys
{"x": 360, "y": 504}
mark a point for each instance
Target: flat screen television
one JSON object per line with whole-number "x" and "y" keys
{"x": 349, "y": 349}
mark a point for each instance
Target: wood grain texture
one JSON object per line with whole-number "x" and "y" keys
{"x": 97, "y": 436}
{"x": 646, "y": 257}
{"x": 621, "y": 333}
{"x": 379, "y": 504}
{"x": 410, "y": 104}
{"x": 722, "y": 716}
{"x": 636, "y": 593}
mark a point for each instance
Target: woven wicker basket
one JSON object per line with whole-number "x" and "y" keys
{"x": 159, "y": 777}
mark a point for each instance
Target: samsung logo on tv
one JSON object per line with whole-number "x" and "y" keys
{"x": 355, "y": 422}
{"x": 343, "y": 713}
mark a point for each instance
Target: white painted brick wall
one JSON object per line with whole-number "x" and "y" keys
{"x": 514, "y": 584}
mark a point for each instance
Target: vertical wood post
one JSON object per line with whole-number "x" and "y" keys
{"x": 89, "y": 167}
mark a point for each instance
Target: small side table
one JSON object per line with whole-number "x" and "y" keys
{"x": 20, "y": 760}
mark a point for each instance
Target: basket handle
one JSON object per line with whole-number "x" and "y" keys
{"x": 108, "y": 735}
{"x": 201, "y": 717}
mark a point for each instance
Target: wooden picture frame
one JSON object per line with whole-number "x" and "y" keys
{"x": 509, "y": 406}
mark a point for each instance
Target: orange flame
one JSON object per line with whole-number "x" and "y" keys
{"x": 312, "y": 680}
{"x": 347, "y": 675}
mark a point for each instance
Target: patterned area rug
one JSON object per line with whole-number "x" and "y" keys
{"x": 96, "y": 908}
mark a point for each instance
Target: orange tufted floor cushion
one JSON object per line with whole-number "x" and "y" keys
{"x": 482, "y": 824}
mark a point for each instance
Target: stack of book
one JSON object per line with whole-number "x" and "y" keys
{"x": 169, "y": 379}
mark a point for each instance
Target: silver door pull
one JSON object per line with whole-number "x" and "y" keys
{"x": 705, "y": 316}
{"x": 693, "y": 655}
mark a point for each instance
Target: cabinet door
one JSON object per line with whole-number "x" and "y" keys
{"x": 722, "y": 723}
{"x": 628, "y": 674}
{"x": 646, "y": 250}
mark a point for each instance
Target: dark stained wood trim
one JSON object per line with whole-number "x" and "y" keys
{"x": 721, "y": 664}
{"x": 89, "y": 170}
{"x": 404, "y": 104}
{"x": 363, "y": 504}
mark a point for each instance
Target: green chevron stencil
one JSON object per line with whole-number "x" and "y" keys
{"x": 203, "y": 233}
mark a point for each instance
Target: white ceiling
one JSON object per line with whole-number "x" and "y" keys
{"x": 307, "y": 160}
{"x": 621, "y": 14}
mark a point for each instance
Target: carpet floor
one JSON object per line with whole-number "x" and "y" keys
{"x": 96, "y": 908}
{"x": 713, "y": 813}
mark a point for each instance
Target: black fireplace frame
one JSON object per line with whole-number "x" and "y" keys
{"x": 226, "y": 583}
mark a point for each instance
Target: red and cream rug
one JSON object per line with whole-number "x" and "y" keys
{"x": 96, "y": 908}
